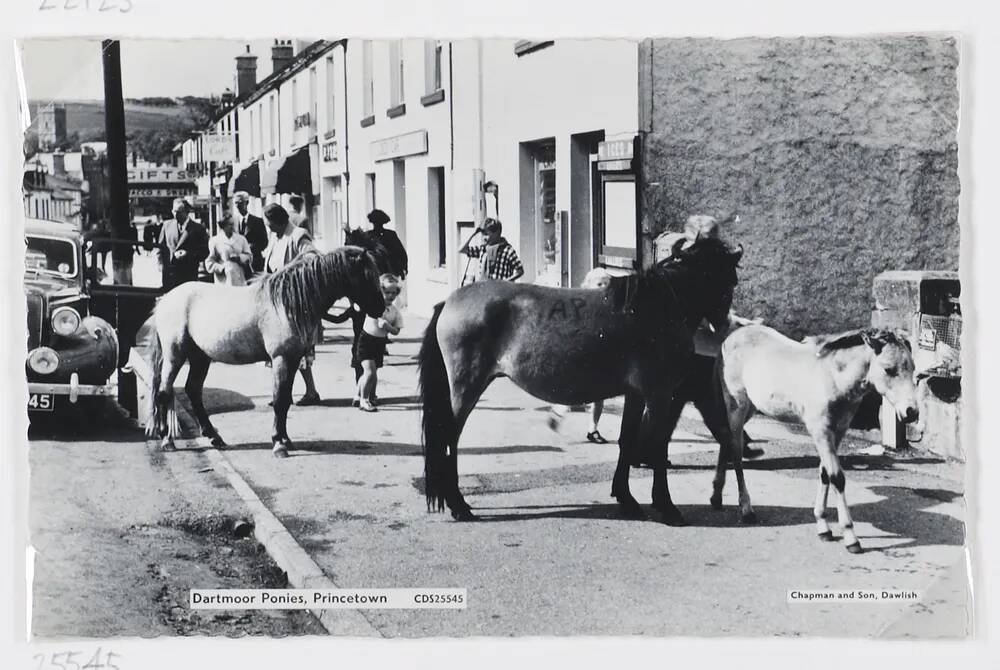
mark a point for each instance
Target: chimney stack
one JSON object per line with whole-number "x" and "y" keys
{"x": 282, "y": 54}
{"x": 246, "y": 73}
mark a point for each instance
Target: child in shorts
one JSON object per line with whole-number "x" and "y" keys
{"x": 372, "y": 341}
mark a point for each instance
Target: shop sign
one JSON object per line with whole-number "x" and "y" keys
{"x": 330, "y": 151}
{"x": 408, "y": 144}
{"x": 163, "y": 192}
{"x": 615, "y": 150}
{"x": 218, "y": 148}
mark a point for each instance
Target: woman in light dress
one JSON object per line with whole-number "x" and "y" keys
{"x": 228, "y": 255}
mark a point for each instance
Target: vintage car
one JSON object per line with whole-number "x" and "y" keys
{"x": 72, "y": 354}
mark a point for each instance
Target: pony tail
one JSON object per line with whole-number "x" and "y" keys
{"x": 438, "y": 420}
{"x": 156, "y": 362}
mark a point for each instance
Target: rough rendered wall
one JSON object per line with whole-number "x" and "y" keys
{"x": 839, "y": 154}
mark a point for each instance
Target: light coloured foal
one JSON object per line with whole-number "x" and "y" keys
{"x": 819, "y": 382}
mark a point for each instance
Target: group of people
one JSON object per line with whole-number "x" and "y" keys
{"x": 248, "y": 245}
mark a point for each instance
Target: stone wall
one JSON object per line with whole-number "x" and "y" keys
{"x": 839, "y": 154}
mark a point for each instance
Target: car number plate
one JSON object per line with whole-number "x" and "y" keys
{"x": 41, "y": 402}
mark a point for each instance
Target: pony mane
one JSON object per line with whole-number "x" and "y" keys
{"x": 371, "y": 244}
{"x": 827, "y": 344}
{"x": 304, "y": 288}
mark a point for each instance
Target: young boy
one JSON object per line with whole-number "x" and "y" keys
{"x": 371, "y": 342}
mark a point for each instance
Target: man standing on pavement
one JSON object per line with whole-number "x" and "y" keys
{"x": 183, "y": 245}
{"x": 288, "y": 242}
{"x": 497, "y": 258}
{"x": 398, "y": 260}
{"x": 251, "y": 227}
{"x": 297, "y": 216}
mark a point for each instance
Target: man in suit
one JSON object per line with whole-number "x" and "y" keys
{"x": 251, "y": 227}
{"x": 183, "y": 245}
{"x": 287, "y": 243}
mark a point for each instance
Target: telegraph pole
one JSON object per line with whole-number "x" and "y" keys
{"x": 114, "y": 133}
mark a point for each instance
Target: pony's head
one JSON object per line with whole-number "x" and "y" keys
{"x": 890, "y": 366}
{"x": 714, "y": 264}
{"x": 364, "y": 239}
{"x": 364, "y": 285}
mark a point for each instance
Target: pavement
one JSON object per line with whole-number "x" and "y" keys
{"x": 551, "y": 556}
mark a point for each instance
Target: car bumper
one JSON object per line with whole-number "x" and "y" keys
{"x": 74, "y": 389}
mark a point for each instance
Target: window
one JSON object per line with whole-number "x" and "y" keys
{"x": 618, "y": 217}
{"x": 433, "y": 76}
{"x": 396, "y": 72}
{"x": 272, "y": 124}
{"x": 312, "y": 98}
{"x": 369, "y": 84}
{"x": 331, "y": 97}
{"x": 438, "y": 247}
{"x": 253, "y": 127}
{"x": 369, "y": 192}
{"x": 295, "y": 99}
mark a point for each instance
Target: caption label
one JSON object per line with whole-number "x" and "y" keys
{"x": 852, "y": 596}
{"x": 311, "y": 599}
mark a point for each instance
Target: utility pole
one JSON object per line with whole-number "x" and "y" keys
{"x": 114, "y": 132}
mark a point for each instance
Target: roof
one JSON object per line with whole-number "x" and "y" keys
{"x": 55, "y": 228}
{"x": 298, "y": 63}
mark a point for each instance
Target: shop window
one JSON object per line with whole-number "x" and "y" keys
{"x": 618, "y": 229}
{"x": 438, "y": 246}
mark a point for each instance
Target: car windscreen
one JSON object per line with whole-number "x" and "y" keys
{"x": 49, "y": 255}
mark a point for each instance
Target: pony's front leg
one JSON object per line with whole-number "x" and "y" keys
{"x": 819, "y": 508}
{"x": 284, "y": 375}
{"x": 655, "y": 434}
{"x": 831, "y": 472}
{"x": 627, "y": 448}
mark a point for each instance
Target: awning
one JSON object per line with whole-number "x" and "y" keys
{"x": 247, "y": 180}
{"x": 288, "y": 174}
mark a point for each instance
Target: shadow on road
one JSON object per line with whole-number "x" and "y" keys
{"x": 221, "y": 401}
{"x": 859, "y": 462}
{"x": 362, "y": 448}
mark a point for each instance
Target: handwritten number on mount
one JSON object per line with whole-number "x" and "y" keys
{"x": 123, "y": 6}
{"x": 64, "y": 660}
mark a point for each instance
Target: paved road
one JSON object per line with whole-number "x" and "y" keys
{"x": 551, "y": 556}
{"x": 121, "y": 534}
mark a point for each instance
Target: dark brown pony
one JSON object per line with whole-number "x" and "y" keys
{"x": 570, "y": 346}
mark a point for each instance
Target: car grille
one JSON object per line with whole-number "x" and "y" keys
{"x": 36, "y": 312}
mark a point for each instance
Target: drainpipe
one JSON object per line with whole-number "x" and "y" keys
{"x": 347, "y": 154}
{"x": 451, "y": 104}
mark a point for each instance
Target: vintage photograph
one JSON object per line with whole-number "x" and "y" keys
{"x": 605, "y": 337}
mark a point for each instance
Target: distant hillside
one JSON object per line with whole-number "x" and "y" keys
{"x": 151, "y": 121}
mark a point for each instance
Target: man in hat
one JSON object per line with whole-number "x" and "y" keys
{"x": 252, "y": 228}
{"x": 297, "y": 216}
{"x": 287, "y": 243}
{"x": 497, "y": 258}
{"x": 398, "y": 260}
{"x": 183, "y": 245}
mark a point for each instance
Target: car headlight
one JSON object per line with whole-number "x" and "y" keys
{"x": 65, "y": 321}
{"x": 43, "y": 360}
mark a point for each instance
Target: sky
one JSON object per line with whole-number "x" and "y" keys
{"x": 71, "y": 69}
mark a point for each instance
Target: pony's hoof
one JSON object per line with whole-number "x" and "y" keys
{"x": 716, "y": 503}
{"x": 855, "y": 548}
{"x": 749, "y": 519}
{"x": 463, "y": 515}
{"x": 826, "y": 536}
{"x": 280, "y": 451}
{"x": 218, "y": 442}
{"x": 167, "y": 445}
